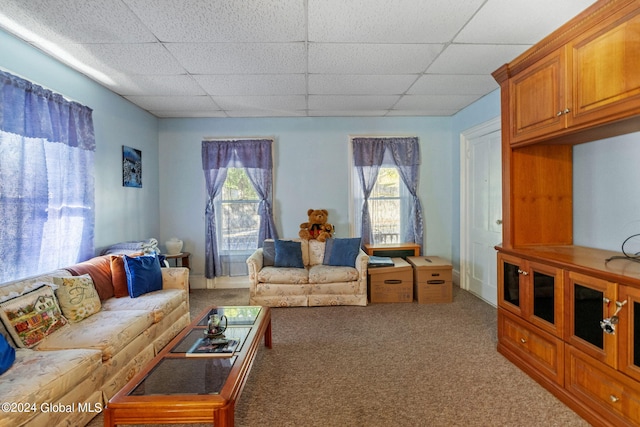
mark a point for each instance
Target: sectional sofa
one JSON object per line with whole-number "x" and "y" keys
{"x": 323, "y": 273}
{"x": 68, "y": 375}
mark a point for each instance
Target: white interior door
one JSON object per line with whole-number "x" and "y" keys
{"x": 481, "y": 205}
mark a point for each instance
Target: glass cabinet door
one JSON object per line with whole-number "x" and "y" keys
{"x": 546, "y": 296}
{"x": 590, "y": 301}
{"x": 629, "y": 329}
{"x": 510, "y": 288}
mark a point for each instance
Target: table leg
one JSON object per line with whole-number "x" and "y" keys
{"x": 108, "y": 419}
{"x": 267, "y": 336}
{"x": 224, "y": 417}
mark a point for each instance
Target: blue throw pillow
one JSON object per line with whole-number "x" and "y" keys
{"x": 268, "y": 253}
{"x": 288, "y": 254}
{"x": 328, "y": 248}
{"x": 344, "y": 252}
{"x": 7, "y": 355}
{"x": 143, "y": 275}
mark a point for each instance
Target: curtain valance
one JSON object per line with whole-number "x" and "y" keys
{"x": 371, "y": 151}
{"x": 246, "y": 153}
{"x": 32, "y": 111}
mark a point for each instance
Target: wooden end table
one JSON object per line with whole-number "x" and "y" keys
{"x": 176, "y": 387}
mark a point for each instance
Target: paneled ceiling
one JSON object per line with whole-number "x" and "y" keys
{"x": 289, "y": 58}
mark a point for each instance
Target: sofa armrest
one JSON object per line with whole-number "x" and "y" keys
{"x": 175, "y": 278}
{"x": 362, "y": 263}
{"x": 254, "y": 263}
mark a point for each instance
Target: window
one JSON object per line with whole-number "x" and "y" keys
{"x": 47, "y": 147}
{"x": 239, "y": 222}
{"x": 386, "y": 205}
{"x": 385, "y": 182}
{"x": 238, "y": 215}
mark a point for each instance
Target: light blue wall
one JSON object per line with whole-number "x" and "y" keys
{"x": 311, "y": 162}
{"x": 606, "y": 187}
{"x": 121, "y": 213}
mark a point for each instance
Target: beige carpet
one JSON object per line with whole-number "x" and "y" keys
{"x": 387, "y": 365}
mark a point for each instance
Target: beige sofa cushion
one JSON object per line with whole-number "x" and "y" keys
{"x": 45, "y": 376}
{"x": 160, "y": 303}
{"x": 283, "y": 275}
{"x": 329, "y": 274}
{"x": 107, "y": 331}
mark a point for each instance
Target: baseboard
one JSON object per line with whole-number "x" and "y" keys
{"x": 201, "y": 282}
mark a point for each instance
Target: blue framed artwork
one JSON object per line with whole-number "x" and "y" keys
{"x": 131, "y": 167}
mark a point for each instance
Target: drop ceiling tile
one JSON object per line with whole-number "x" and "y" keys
{"x": 338, "y": 84}
{"x": 347, "y": 113}
{"x": 442, "y": 84}
{"x": 134, "y": 58}
{"x": 290, "y": 102}
{"x": 174, "y": 103}
{"x": 187, "y": 113}
{"x": 253, "y": 84}
{"x": 155, "y": 85}
{"x": 266, "y": 113}
{"x": 223, "y": 20}
{"x": 388, "y": 21}
{"x": 77, "y": 21}
{"x": 421, "y": 113}
{"x": 341, "y": 102}
{"x": 370, "y": 59}
{"x": 474, "y": 59}
{"x": 434, "y": 102}
{"x": 241, "y": 58}
{"x": 500, "y": 22}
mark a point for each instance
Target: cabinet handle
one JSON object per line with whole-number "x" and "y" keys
{"x": 566, "y": 111}
{"x": 614, "y": 399}
{"x": 559, "y": 113}
{"x": 524, "y": 273}
{"x": 392, "y": 281}
{"x": 523, "y": 340}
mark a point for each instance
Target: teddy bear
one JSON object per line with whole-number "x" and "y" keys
{"x": 317, "y": 227}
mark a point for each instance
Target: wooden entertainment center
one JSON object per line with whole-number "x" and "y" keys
{"x": 555, "y": 299}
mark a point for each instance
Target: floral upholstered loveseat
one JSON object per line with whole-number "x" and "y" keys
{"x": 314, "y": 281}
{"x": 64, "y": 375}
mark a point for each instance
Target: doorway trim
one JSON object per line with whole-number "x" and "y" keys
{"x": 477, "y": 131}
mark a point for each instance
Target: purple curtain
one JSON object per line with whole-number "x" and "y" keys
{"x": 368, "y": 157}
{"x": 47, "y": 147}
{"x": 256, "y": 159}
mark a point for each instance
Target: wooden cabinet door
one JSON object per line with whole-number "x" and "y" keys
{"x": 538, "y": 98}
{"x": 605, "y": 75}
{"x": 629, "y": 332}
{"x": 589, "y": 300}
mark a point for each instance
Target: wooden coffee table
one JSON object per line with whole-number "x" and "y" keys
{"x": 176, "y": 387}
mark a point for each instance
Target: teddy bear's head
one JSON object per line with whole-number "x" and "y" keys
{"x": 318, "y": 216}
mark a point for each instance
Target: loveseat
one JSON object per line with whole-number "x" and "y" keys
{"x": 66, "y": 377}
{"x": 325, "y": 276}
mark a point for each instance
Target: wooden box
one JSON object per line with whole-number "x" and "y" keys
{"x": 432, "y": 279}
{"x": 391, "y": 284}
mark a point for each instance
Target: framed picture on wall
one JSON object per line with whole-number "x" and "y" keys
{"x": 131, "y": 167}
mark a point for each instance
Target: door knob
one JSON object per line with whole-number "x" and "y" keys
{"x": 499, "y": 221}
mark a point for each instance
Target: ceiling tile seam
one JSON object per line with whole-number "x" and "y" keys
{"x": 164, "y": 47}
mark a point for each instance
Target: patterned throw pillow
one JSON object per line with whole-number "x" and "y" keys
{"x": 77, "y": 296}
{"x": 30, "y": 317}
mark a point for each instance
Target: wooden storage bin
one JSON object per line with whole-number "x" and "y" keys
{"x": 391, "y": 284}
{"x": 432, "y": 279}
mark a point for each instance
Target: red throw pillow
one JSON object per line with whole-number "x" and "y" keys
{"x": 99, "y": 268}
